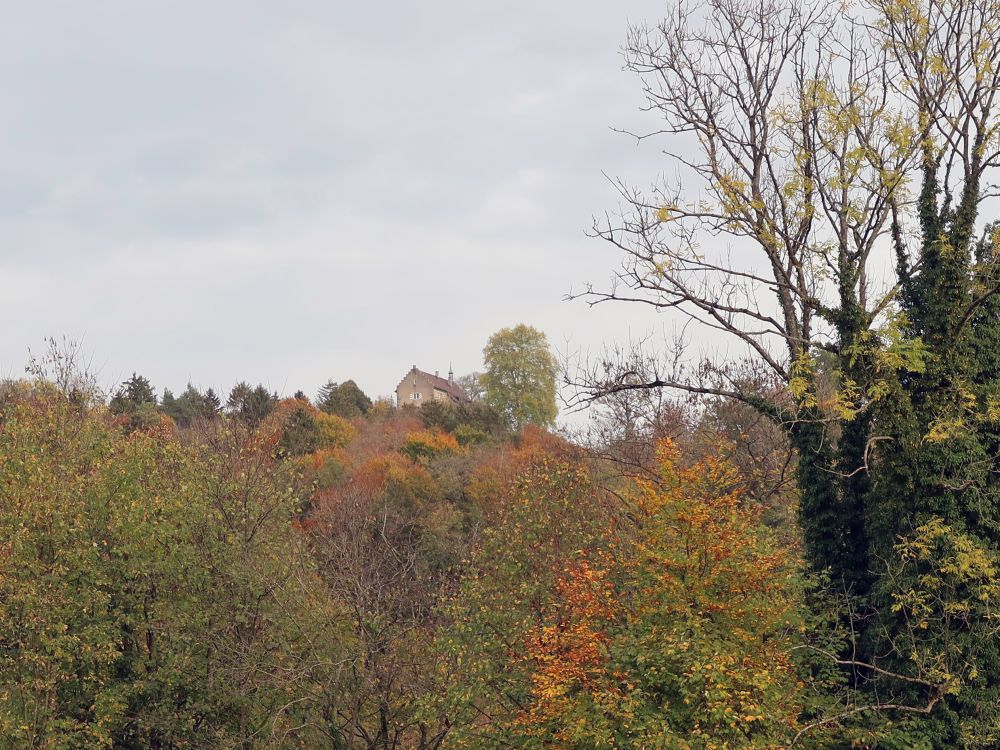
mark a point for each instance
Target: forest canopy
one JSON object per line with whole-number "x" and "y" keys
{"x": 798, "y": 546}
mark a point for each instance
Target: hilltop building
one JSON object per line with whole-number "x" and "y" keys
{"x": 418, "y": 387}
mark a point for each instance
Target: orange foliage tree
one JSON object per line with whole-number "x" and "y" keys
{"x": 425, "y": 445}
{"x": 541, "y": 512}
{"x": 672, "y": 624}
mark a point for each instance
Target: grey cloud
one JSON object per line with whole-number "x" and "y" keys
{"x": 232, "y": 190}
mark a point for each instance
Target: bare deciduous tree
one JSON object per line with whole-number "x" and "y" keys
{"x": 831, "y": 166}
{"x": 798, "y": 133}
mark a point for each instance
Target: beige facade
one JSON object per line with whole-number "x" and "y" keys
{"x": 418, "y": 387}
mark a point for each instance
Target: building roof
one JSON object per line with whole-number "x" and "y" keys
{"x": 450, "y": 387}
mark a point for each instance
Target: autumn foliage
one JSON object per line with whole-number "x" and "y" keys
{"x": 695, "y": 612}
{"x": 376, "y": 583}
{"x": 666, "y": 623}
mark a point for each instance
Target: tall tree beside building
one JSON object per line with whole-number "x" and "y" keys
{"x": 520, "y": 377}
{"x": 472, "y": 385}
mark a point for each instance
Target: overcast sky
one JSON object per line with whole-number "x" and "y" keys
{"x": 287, "y": 192}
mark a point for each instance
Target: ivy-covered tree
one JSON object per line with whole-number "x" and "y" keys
{"x": 815, "y": 139}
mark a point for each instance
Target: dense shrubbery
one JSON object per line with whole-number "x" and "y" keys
{"x": 300, "y": 579}
{"x": 153, "y": 591}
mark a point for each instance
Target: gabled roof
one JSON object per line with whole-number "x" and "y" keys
{"x": 452, "y": 388}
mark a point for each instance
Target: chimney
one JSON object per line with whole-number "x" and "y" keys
{"x": 451, "y": 375}
{"x": 437, "y": 373}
